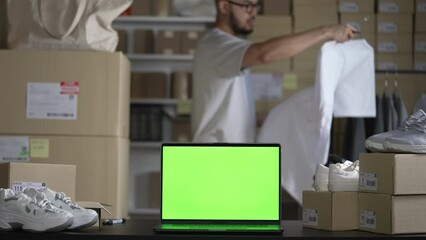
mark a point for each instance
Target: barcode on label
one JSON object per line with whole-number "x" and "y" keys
{"x": 71, "y": 97}
{"x": 371, "y": 183}
{"x": 60, "y": 114}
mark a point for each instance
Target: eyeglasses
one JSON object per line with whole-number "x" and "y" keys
{"x": 248, "y": 7}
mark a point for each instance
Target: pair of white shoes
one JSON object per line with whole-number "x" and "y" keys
{"x": 339, "y": 177}
{"x": 42, "y": 211}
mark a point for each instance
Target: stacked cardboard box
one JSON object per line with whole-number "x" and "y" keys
{"x": 276, "y": 7}
{"x": 309, "y": 14}
{"x": 152, "y": 8}
{"x": 395, "y": 34}
{"x": 360, "y": 15}
{"x": 66, "y": 107}
{"x": 420, "y": 36}
{"x": 392, "y": 197}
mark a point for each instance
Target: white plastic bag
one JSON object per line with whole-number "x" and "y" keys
{"x": 64, "y": 24}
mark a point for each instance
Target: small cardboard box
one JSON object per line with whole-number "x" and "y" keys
{"x": 363, "y": 22}
{"x": 303, "y": 23}
{"x": 420, "y": 22}
{"x": 390, "y": 214}
{"x": 169, "y": 42}
{"x": 356, "y": 6}
{"x": 420, "y": 43}
{"x": 58, "y": 177}
{"x": 391, "y": 43}
{"x": 420, "y": 62}
{"x": 395, "y": 6}
{"x": 276, "y": 7}
{"x": 334, "y": 211}
{"x": 390, "y": 173}
{"x": 142, "y": 7}
{"x": 148, "y": 85}
{"x": 394, "y": 61}
{"x": 143, "y": 42}
{"x": 190, "y": 40}
{"x": 314, "y": 9}
{"x": 395, "y": 23}
{"x": 266, "y": 27}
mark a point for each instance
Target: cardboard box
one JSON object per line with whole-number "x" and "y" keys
{"x": 162, "y": 8}
{"x": 94, "y": 88}
{"x": 356, "y": 6}
{"x": 420, "y": 25}
{"x": 190, "y": 40}
{"x": 101, "y": 163}
{"x": 395, "y": 6}
{"x": 276, "y": 7}
{"x": 169, "y": 42}
{"x": 314, "y": 9}
{"x": 394, "y": 61}
{"x": 266, "y": 27}
{"x": 182, "y": 131}
{"x": 420, "y": 62}
{"x": 420, "y": 42}
{"x": 58, "y": 177}
{"x": 142, "y": 7}
{"x": 182, "y": 85}
{"x": 148, "y": 85}
{"x": 143, "y": 42}
{"x": 390, "y": 173}
{"x": 394, "y": 43}
{"x": 365, "y": 23}
{"x": 334, "y": 211}
{"x": 154, "y": 190}
{"x": 395, "y": 23}
{"x": 388, "y": 214}
{"x": 306, "y": 23}
{"x": 122, "y": 41}
{"x": 421, "y": 6}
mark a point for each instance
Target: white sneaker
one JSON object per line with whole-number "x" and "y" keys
{"x": 411, "y": 141}
{"x": 321, "y": 175}
{"x": 82, "y": 217}
{"x": 375, "y": 143}
{"x": 18, "y": 211}
{"x": 343, "y": 179}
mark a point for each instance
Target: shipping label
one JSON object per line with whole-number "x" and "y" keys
{"x": 368, "y": 181}
{"x": 14, "y": 148}
{"x": 18, "y": 186}
{"x": 310, "y": 217}
{"x": 367, "y": 219}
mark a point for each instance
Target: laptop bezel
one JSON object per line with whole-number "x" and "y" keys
{"x": 228, "y": 221}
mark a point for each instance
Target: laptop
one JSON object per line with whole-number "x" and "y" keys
{"x": 220, "y": 188}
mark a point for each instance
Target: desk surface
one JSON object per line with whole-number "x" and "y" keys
{"x": 142, "y": 229}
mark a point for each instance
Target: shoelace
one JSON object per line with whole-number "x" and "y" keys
{"x": 420, "y": 126}
{"x": 67, "y": 200}
{"x": 408, "y": 123}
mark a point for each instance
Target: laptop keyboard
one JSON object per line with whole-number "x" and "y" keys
{"x": 219, "y": 227}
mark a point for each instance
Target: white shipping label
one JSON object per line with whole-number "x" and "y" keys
{"x": 14, "y": 148}
{"x": 388, "y": 47}
{"x": 349, "y": 7}
{"x": 421, "y": 47}
{"x": 368, "y": 181}
{"x": 388, "y": 8}
{"x": 18, "y": 186}
{"x": 421, "y": 7}
{"x": 385, "y": 65}
{"x": 387, "y": 27}
{"x": 310, "y": 217}
{"x": 266, "y": 86}
{"x": 420, "y": 66}
{"x": 52, "y": 100}
{"x": 367, "y": 219}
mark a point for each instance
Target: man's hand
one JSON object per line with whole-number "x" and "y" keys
{"x": 341, "y": 32}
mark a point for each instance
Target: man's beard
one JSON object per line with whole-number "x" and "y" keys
{"x": 237, "y": 29}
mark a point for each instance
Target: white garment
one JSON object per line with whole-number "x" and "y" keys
{"x": 345, "y": 86}
{"x": 223, "y": 110}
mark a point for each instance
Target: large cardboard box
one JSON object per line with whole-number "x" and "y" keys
{"x": 420, "y": 62}
{"x": 420, "y": 42}
{"x": 148, "y": 85}
{"x": 303, "y": 23}
{"x": 314, "y": 9}
{"x": 102, "y": 166}
{"x": 266, "y": 27}
{"x": 395, "y": 6}
{"x": 356, "y": 6}
{"x": 334, "y": 211}
{"x": 64, "y": 93}
{"x": 420, "y": 6}
{"x": 143, "y": 41}
{"x": 58, "y": 177}
{"x": 394, "y": 61}
{"x": 395, "y": 23}
{"x": 420, "y": 25}
{"x": 394, "y": 43}
{"x": 168, "y": 42}
{"x": 363, "y": 22}
{"x": 388, "y": 214}
{"x": 276, "y": 7}
{"x": 190, "y": 40}
{"x": 392, "y": 173}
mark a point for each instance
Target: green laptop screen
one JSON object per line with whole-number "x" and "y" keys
{"x": 220, "y": 182}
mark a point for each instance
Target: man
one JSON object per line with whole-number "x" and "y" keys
{"x": 223, "y": 108}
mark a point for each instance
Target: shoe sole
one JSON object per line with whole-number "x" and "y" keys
{"x": 374, "y": 147}
{"x": 404, "y": 148}
{"x": 90, "y": 223}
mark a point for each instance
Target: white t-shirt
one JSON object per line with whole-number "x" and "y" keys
{"x": 223, "y": 109}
